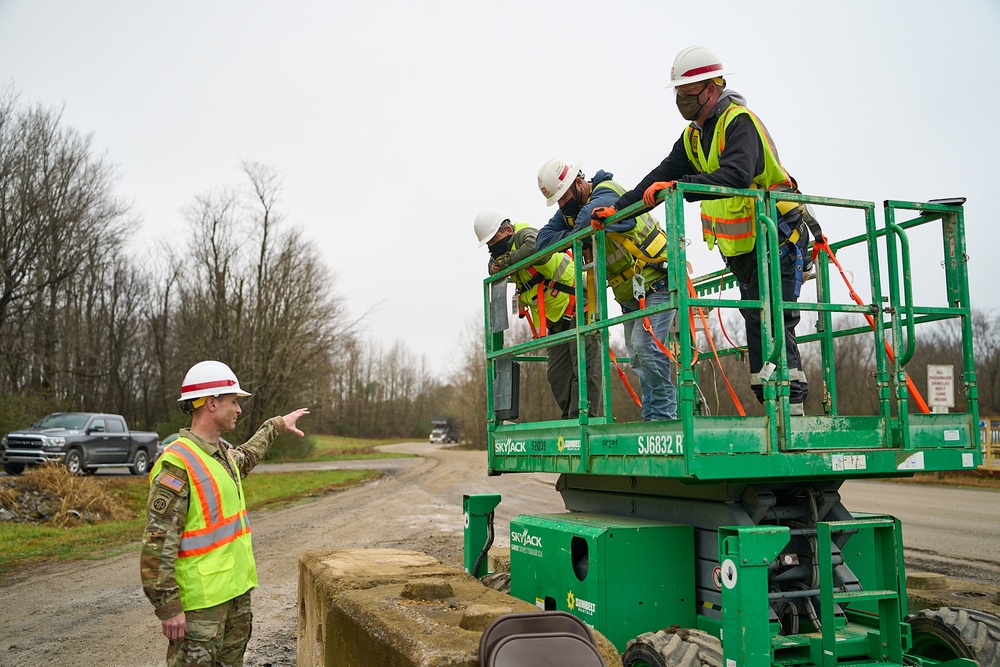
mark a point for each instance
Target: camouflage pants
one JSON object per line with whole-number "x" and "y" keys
{"x": 215, "y": 637}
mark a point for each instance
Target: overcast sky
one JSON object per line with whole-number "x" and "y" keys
{"x": 394, "y": 123}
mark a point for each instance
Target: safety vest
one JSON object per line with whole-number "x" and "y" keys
{"x": 215, "y": 558}
{"x": 641, "y": 250}
{"x": 550, "y": 284}
{"x": 730, "y": 222}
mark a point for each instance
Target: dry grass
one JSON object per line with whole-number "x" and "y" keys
{"x": 78, "y": 493}
{"x": 8, "y": 497}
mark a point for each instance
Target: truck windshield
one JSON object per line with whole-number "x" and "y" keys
{"x": 71, "y": 421}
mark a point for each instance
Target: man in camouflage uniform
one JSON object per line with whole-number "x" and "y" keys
{"x": 199, "y": 634}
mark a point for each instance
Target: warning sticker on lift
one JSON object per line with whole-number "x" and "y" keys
{"x": 842, "y": 462}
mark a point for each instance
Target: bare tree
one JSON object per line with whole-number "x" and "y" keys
{"x": 60, "y": 228}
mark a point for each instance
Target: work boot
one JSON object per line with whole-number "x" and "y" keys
{"x": 796, "y": 410}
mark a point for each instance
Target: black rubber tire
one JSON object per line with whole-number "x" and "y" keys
{"x": 13, "y": 468}
{"x": 140, "y": 463}
{"x": 74, "y": 462}
{"x": 674, "y": 647}
{"x": 956, "y": 632}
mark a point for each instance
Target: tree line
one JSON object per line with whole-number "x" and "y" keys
{"x": 85, "y": 325}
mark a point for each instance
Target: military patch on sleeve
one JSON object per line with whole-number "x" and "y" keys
{"x": 163, "y": 502}
{"x": 171, "y": 482}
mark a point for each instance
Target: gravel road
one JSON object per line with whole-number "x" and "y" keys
{"x": 94, "y": 612}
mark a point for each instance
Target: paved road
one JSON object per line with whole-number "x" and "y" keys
{"x": 945, "y": 530}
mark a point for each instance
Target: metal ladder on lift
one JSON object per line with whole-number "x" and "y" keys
{"x": 886, "y": 646}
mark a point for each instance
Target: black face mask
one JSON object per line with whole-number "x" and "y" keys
{"x": 571, "y": 208}
{"x": 500, "y": 247}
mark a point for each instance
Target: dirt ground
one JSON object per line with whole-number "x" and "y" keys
{"x": 94, "y": 612}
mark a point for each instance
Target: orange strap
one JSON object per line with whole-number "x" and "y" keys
{"x": 649, "y": 329}
{"x": 821, "y": 244}
{"x": 722, "y": 326}
{"x": 715, "y": 353}
{"x": 621, "y": 374}
{"x": 541, "y": 309}
{"x": 525, "y": 313}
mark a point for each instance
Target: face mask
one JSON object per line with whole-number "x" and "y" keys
{"x": 689, "y": 106}
{"x": 571, "y": 208}
{"x": 500, "y": 247}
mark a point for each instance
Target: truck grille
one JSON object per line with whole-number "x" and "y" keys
{"x": 22, "y": 442}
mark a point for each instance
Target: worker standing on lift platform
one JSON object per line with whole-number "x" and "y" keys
{"x": 727, "y": 145}
{"x": 636, "y": 266}
{"x": 547, "y": 298}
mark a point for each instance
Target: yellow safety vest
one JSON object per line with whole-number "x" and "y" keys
{"x": 551, "y": 283}
{"x": 215, "y": 559}
{"x": 642, "y": 249}
{"x": 730, "y": 222}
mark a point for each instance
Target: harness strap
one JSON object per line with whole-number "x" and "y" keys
{"x": 715, "y": 353}
{"x": 822, "y": 245}
{"x": 621, "y": 374}
{"x": 542, "y": 320}
{"x": 525, "y": 313}
{"x": 649, "y": 329}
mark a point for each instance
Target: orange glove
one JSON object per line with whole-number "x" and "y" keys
{"x": 649, "y": 196}
{"x": 818, "y": 245}
{"x": 600, "y": 214}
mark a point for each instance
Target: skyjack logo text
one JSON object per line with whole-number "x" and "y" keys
{"x": 510, "y": 447}
{"x": 526, "y": 539}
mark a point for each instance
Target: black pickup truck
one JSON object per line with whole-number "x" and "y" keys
{"x": 83, "y": 441}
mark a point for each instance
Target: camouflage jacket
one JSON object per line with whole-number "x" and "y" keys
{"x": 166, "y": 512}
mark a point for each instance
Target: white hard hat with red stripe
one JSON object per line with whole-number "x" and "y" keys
{"x": 210, "y": 378}
{"x": 554, "y": 179}
{"x": 694, "y": 64}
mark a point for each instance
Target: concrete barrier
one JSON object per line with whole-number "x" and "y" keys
{"x": 361, "y": 607}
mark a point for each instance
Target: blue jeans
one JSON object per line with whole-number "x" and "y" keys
{"x": 659, "y": 396}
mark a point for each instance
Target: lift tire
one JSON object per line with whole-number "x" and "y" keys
{"x": 955, "y": 632}
{"x": 673, "y": 647}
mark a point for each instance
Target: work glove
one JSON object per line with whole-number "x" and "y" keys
{"x": 500, "y": 263}
{"x": 818, "y": 245}
{"x": 649, "y": 196}
{"x": 600, "y": 214}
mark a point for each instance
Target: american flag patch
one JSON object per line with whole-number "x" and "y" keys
{"x": 171, "y": 482}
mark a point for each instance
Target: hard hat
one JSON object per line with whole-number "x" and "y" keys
{"x": 210, "y": 378}
{"x": 694, "y": 64}
{"x": 554, "y": 179}
{"x": 488, "y": 223}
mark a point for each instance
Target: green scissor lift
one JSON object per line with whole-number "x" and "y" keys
{"x": 731, "y": 527}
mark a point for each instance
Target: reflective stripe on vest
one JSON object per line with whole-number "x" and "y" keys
{"x": 557, "y": 274}
{"x": 219, "y": 529}
{"x": 730, "y": 221}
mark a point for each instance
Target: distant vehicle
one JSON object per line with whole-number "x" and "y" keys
{"x": 443, "y": 430}
{"x": 83, "y": 441}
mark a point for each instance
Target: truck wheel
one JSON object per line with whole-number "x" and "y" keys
{"x": 140, "y": 464}
{"x": 74, "y": 462}
{"x": 954, "y": 632}
{"x": 13, "y": 468}
{"x": 673, "y": 647}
